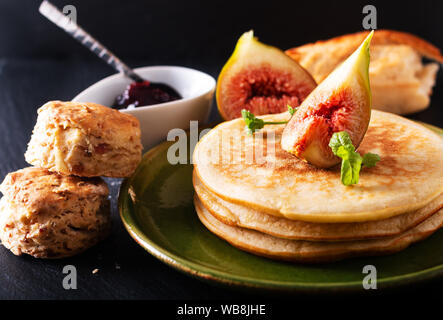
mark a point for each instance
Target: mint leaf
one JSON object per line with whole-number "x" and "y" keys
{"x": 253, "y": 123}
{"x": 291, "y": 110}
{"x": 341, "y": 139}
{"x": 341, "y": 145}
{"x": 370, "y": 159}
{"x": 346, "y": 173}
{"x": 355, "y": 161}
{"x": 351, "y": 164}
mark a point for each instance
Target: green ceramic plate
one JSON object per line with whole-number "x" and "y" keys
{"x": 164, "y": 222}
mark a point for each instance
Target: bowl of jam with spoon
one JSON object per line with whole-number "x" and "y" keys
{"x": 158, "y": 111}
{"x": 178, "y": 95}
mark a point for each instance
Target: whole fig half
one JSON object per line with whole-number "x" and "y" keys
{"x": 342, "y": 102}
{"x": 261, "y": 79}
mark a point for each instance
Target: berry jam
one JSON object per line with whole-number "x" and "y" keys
{"x": 145, "y": 93}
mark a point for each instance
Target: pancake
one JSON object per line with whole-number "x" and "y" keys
{"x": 314, "y": 252}
{"x": 241, "y": 216}
{"x": 229, "y": 163}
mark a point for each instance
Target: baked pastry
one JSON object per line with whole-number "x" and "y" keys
{"x": 400, "y": 82}
{"x": 48, "y": 215}
{"x": 85, "y": 139}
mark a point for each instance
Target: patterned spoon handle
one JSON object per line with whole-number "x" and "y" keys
{"x": 74, "y": 30}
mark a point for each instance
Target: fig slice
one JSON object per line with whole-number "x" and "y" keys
{"x": 342, "y": 102}
{"x": 261, "y": 79}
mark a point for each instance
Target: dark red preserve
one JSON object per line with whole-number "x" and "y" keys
{"x": 145, "y": 93}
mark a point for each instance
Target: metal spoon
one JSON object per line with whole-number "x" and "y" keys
{"x": 74, "y": 30}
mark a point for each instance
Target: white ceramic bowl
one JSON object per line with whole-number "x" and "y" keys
{"x": 196, "y": 88}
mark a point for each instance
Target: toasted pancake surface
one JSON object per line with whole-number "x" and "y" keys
{"x": 253, "y": 170}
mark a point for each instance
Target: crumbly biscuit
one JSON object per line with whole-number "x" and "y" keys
{"x": 85, "y": 139}
{"x": 48, "y": 215}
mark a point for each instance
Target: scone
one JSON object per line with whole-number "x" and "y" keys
{"x": 85, "y": 139}
{"x": 48, "y": 215}
{"x": 400, "y": 82}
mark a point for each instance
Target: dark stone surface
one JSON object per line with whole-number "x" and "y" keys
{"x": 125, "y": 269}
{"x": 39, "y": 63}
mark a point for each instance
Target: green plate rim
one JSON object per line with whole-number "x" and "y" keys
{"x": 225, "y": 278}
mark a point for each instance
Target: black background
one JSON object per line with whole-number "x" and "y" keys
{"x": 39, "y": 62}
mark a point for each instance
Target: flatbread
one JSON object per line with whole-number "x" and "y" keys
{"x": 242, "y": 216}
{"x": 400, "y": 81}
{"x": 407, "y": 178}
{"x": 312, "y": 252}
{"x": 321, "y": 57}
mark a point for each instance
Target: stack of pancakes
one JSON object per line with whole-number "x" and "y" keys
{"x": 266, "y": 201}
